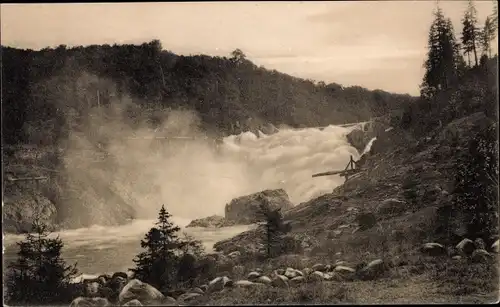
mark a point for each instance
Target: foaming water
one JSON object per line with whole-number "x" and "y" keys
{"x": 288, "y": 158}
{"x": 199, "y": 184}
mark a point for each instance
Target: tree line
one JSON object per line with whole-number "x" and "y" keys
{"x": 54, "y": 89}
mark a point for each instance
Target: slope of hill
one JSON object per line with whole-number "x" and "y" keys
{"x": 55, "y": 89}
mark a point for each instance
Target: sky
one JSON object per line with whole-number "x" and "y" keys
{"x": 374, "y": 44}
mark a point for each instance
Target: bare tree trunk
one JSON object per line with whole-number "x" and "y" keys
{"x": 474, "y": 48}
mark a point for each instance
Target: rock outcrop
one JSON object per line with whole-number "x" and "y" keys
{"x": 20, "y": 210}
{"x": 244, "y": 210}
{"x": 214, "y": 221}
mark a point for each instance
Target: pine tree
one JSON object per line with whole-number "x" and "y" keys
{"x": 470, "y": 32}
{"x": 158, "y": 264}
{"x": 487, "y": 35}
{"x": 40, "y": 275}
{"x": 274, "y": 229}
{"x": 443, "y": 59}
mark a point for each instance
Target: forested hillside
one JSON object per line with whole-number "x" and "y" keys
{"x": 47, "y": 93}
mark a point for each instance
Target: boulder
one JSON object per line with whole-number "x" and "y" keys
{"x": 247, "y": 284}
{"x": 466, "y": 247}
{"x": 292, "y": 273}
{"x": 372, "y": 270}
{"x": 253, "y": 275}
{"x": 495, "y": 247}
{"x": 235, "y": 254}
{"x": 433, "y": 249}
{"x": 133, "y": 303}
{"x": 264, "y": 280}
{"x": 89, "y": 302}
{"x": 168, "y": 300}
{"x": 245, "y": 209}
{"x": 280, "y": 281}
{"x": 92, "y": 289}
{"x": 197, "y": 290}
{"x": 218, "y": 284}
{"x": 298, "y": 280}
{"x": 214, "y": 221}
{"x": 319, "y": 267}
{"x": 188, "y": 297}
{"x": 341, "y": 269}
{"x": 145, "y": 293}
{"x": 317, "y": 276}
{"x": 481, "y": 256}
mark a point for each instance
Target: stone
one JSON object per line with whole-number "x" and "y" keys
{"x": 244, "y": 283}
{"x": 372, "y": 270}
{"x": 317, "y": 276}
{"x": 456, "y": 257}
{"x": 89, "y": 301}
{"x": 291, "y": 273}
{"x": 245, "y": 209}
{"x": 218, "y": 284}
{"x": 169, "y": 300}
{"x": 253, "y": 275}
{"x": 145, "y": 293}
{"x": 235, "y": 254}
{"x": 298, "y": 280}
{"x": 280, "y": 281}
{"x": 92, "y": 289}
{"x": 307, "y": 271}
{"x": 188, "y": 297}
{"x": 433, "y": 249}
{"x": 133, "y": 303}
{"x": 319, "y": 267}
{"x": 344, "y": 269}
{"x": 197, "y": 290}
{"x": 481, "y": 256}
{"x": 466, "y": 246}
{"x": 495, "y": 247}
{"x": 264, "y": 280}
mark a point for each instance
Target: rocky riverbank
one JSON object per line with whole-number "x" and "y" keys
{"x": 287, "y": 276}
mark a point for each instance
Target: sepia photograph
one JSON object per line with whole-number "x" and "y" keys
{"x": 250, "y": 153}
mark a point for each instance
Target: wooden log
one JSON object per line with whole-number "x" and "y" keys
{"x": 341, "y": 173}
{"x": 28, "y": 178}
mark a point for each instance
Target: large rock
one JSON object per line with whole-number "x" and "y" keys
{"x": 20, "y": 210}
{"x": 360, "y": 137}
{"x": 145, "y": 293}
{"x": 244, "y": 210}
{"x": 214, "y": 221}
{"x": 89, "y": 302}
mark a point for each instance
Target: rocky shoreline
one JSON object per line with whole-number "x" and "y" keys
{"x": 124, "y": 290}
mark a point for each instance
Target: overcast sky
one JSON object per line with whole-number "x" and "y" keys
{"x": 373, "y": 44}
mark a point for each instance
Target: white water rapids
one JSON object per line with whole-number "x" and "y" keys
{"x": 285, "y": 160}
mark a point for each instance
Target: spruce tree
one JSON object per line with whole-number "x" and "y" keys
{"x": 470, "y": 32}
{"x": 39, "y": 275}
{"x": 158, "y": 264}
{"x": 487, "y": 35}
{"x": 274, "y": 229}
{"x": 443, "y": 59}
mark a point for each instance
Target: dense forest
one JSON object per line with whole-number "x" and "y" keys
{"x": 54, "y": 90}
